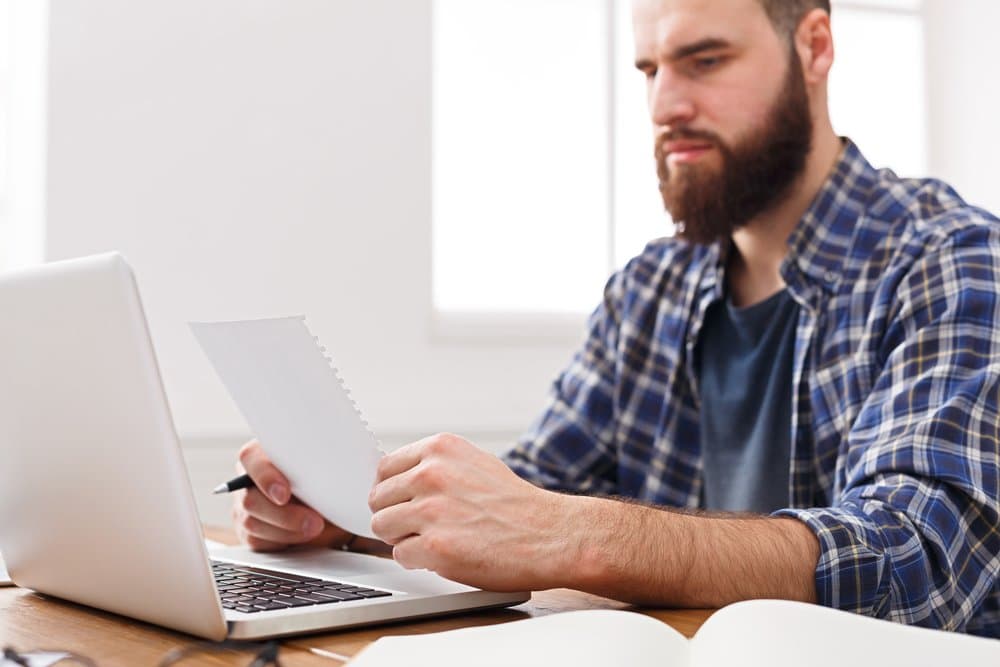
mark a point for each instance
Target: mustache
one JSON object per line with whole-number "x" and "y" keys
{"x": 684, "y": 134}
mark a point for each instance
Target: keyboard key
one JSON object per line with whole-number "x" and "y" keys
{"x": 325, "y": 600}
{"x": 253, "y": 589}
{"x": 294, "y": 602}
{"x": 333, "y": 586}
{"x": 339, "y": 595}
{"x": 272, "y": 573}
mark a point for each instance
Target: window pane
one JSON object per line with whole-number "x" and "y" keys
{"x": 5, "y": 47}
{"x": 639, "y": 212}
{"x": 877, "y": 86}
{"x": 520, "y": 166}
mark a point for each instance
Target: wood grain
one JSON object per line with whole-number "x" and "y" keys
{"x": 30, "y": 621}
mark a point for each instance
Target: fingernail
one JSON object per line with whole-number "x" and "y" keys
{"x": 310, "y": 525}
{"x": 279, "y": 493}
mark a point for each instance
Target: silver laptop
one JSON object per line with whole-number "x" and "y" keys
{"x": 95, "y": 502}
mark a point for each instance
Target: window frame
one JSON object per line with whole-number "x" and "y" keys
{"x": 451, "y": 327}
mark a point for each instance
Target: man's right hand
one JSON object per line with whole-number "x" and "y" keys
{"x": 268, "y": 517}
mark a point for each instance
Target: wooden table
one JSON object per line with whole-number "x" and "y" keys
{"x": 30, "y": 621}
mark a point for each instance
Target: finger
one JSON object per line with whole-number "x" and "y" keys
{"x": 264, "y": 474}
{"x": 291, "y": 518}
{"x": 257, "y": 544}
{"x": 412, "y": 554}
{"x": 404, "y": 458}
{"x": 397, "y": 489}
{"x": 262, "y": 530}
{"x": 396, "y": 523}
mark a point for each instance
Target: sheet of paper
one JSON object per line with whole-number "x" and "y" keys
{"x": 781, "y": 633}
{"x": 4, "y": 577}
{"x": 297, "y": 407}
{"x": 584, "y": 638}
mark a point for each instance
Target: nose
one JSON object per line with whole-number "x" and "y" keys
{"x": 670, "y": 105}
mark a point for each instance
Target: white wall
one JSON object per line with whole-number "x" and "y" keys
{"x": 266, "y": 157}
{"x": 964, "y": 97}
{"x": 270, "y": 157}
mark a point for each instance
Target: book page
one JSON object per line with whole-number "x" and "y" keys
{"x": 779, "y": 633}
{"x": 299, "y": 410}
{"x": 592, "y": 638}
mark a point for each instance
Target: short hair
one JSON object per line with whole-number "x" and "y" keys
{"x": 786, "y": 15}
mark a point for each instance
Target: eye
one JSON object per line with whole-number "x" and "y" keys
{"x": 706, "y": 63}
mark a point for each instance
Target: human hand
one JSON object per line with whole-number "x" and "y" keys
{"x": 268, "y": 517}
{"x": 447, "y": 506}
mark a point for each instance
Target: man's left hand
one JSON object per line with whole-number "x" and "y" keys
{"x": 447, "y": 506}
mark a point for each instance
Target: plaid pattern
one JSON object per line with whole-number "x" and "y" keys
{"x": 895, "y": 461}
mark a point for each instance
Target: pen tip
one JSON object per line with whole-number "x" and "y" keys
{"x": 221, "y": 488}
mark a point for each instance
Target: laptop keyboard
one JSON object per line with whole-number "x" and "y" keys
{"x": 252, "y": 589}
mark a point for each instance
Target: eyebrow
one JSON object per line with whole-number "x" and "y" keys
{"x": 681, "y": 52}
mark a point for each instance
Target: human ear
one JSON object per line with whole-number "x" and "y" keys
{"x": 814, "y": 44}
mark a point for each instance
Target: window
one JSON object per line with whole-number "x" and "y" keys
{"x": 4, "y": 126}
{"x": 520, "y": 158}
{"x": 877, "y": 85}
{"x": 22, "y": 132}
{"x": 543, "y": 175}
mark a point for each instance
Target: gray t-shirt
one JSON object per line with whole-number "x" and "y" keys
{"x": 743, "y": 362}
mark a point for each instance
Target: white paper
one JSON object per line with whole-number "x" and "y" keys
{"x": 754, "y": 633}
{"x": 780, "y": 633}
{"x": 4, "y": 577}
{"x": 595, "y": 637}
{"x": 299, "y": 410}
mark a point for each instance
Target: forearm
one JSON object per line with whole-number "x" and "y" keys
{"x": 656, "y": 556}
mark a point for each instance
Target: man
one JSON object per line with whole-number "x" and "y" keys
{"x": 815, "y": 348}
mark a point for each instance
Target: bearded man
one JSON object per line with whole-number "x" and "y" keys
{"x": 795, "y": 397}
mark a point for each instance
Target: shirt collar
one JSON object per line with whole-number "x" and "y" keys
{"x": 821, "y": 241}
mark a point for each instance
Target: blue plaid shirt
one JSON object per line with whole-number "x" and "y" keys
{"x": 895, "y": 461}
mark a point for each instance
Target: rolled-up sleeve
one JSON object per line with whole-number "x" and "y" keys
{"x": 913, "y": 532}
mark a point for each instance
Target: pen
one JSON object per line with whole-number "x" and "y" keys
{"x": 235, "y": 484}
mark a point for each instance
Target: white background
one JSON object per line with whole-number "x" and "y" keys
{"x": 264, "y": 157}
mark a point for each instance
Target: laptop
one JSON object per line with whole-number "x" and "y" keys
{"x": 95, "y": 502}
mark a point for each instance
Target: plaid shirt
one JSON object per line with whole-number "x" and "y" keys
{"x": 895, "y": 461}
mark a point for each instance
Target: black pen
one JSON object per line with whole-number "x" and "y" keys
{"x": 235, "y": 484}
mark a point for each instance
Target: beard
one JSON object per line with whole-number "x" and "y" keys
{"x": 756, "y": 172}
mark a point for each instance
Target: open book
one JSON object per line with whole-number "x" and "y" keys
{"x": 757, "y": 633}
